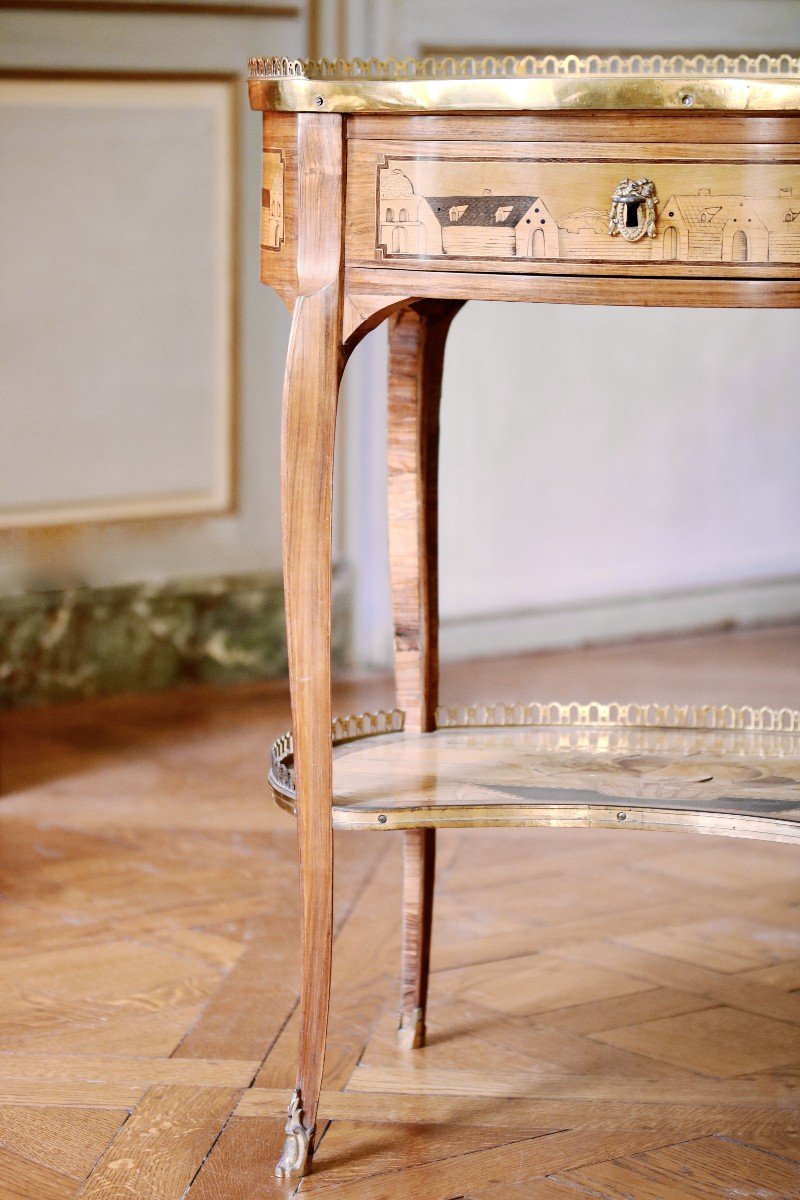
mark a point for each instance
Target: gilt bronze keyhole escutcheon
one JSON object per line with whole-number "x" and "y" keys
{"x": 633, "y": 209}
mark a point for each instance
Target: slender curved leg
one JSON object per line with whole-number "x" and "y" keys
{"x": 417, "y": 337}
{"x": 311, "y": 390}
{"x": 419, "y": 874}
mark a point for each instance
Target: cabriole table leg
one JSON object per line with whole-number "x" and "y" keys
{"x": 313, "y": 371}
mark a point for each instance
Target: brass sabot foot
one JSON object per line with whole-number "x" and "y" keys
{"x": 295, "y": 1158}
{"x": 411, "y": 1031}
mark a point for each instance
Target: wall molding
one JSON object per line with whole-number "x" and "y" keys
{"x": 215, "y": 94}
{"x": 71, "y": 644}
{"x": 159, "y": 7}
{"x": 616, "y": 619}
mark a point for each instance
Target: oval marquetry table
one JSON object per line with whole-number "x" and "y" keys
{"x": 396, "y": 192}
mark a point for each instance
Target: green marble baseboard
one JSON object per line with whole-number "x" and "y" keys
{"x": 65, "y": 645}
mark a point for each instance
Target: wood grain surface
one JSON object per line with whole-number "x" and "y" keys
{"x": 401, "y": 198}
{"x": 160, "y": 1149}
{"x": 417, "y": 339}
{"x": 310, "y": 400}
{"x": 593, "y": 127}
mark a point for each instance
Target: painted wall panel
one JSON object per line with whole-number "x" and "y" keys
{"x": 116, "y": 304}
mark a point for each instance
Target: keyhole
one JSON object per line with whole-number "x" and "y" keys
{"x": 632, "y": 215}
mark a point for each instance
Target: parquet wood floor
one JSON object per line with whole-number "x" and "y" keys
{"x": 612, "y": 1015}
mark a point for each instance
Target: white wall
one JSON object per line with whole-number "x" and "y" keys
{"x": 604, "y": 472}
{"x": 615, "y": 456}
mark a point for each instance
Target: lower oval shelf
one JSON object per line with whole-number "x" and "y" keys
{"x": 709, "y": 770}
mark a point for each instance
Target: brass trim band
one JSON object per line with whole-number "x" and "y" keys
{"x": 601, "y": 93}
{"x": 760, "y": 83}
{"x": 708, "y": 717}
{"x": 344, "y": 729}
{"x": 527, "y": 66}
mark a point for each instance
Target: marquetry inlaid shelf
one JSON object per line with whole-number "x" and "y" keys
{"x": 721, "y": 770}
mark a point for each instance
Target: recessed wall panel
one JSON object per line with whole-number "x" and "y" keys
{"x": 116, "y": 371}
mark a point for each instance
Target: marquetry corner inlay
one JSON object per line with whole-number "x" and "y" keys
{"x": 273, "y": 171}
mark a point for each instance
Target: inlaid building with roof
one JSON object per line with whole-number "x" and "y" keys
{"x": 488, "y": 225}
{"x": 705, "y": 227}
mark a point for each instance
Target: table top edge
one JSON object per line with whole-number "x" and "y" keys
{"x": 742, "y": 83}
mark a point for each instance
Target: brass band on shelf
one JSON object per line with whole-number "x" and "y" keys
{"x": 713, "y": 718}
{"x": 344, "y": 729}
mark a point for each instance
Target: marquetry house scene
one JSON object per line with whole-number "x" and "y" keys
{"x": 702, "y": 226}
{"x": 400, "y": 600}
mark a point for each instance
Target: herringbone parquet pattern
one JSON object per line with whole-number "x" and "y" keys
{"x": 612, "y": 1015}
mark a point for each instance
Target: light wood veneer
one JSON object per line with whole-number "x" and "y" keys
{"x": 398, "y": 192}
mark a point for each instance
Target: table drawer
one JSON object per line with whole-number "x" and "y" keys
{"x": 716, "y": 210}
